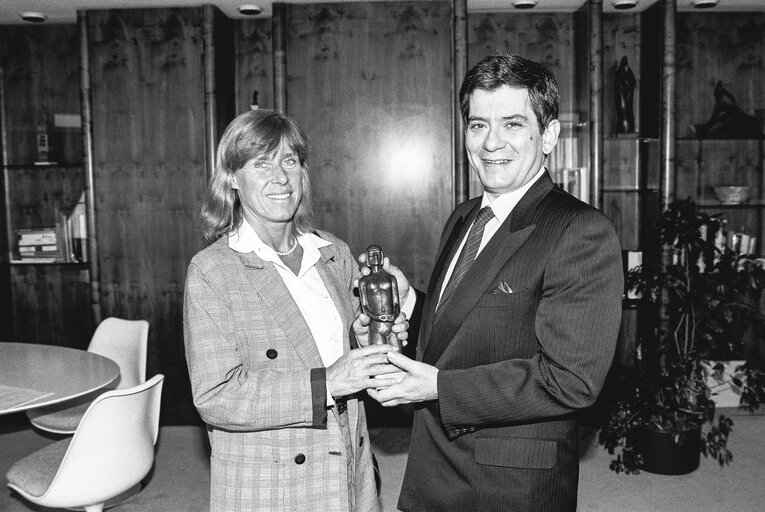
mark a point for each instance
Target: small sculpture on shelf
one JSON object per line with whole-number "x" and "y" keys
{"x": 728, "y": 121}
{"x": 624, "y": 87}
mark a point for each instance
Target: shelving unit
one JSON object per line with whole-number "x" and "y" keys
{"x": 46, "y": 197}
{"x": 42, "y": 301}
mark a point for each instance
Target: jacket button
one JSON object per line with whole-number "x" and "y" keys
{"x": 271, "y": 353}
{"x": 299, "y": 458}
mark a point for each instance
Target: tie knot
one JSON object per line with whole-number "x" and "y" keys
{"x": 484, "y": 216}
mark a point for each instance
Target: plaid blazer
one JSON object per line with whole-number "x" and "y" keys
{"x": 259, "y": 384}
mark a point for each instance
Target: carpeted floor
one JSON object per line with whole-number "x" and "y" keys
{"x": 180, "y": 479}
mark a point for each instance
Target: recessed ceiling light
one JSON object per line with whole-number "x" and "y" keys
{"x": 249, "y": 9}
{"x": 704, "y": 4}
{"x": 33, "y": 16}
{"x": 524, "y": 4}
{"x": 625, "y": 4}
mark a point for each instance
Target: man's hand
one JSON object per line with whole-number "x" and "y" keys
{"x": 419, "y": 385}
{"x": 401, "y": 280}
{"x": 361, "y": 329}
{"x": 353, "y": 371}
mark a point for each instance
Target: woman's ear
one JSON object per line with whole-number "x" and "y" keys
{"x": 234, "y": 186}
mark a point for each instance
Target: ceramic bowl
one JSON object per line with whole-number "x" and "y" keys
{"x": 732, "y": 194}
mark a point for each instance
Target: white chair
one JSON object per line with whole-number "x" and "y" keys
{"x": 109, "y": 454}
{"x": 123, "y": 341}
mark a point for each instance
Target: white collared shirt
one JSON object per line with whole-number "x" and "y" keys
{"x": 307, "y": 288}
{"x": 501, "y": 207}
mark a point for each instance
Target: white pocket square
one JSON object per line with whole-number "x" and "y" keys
{"x": 502, "y": 287}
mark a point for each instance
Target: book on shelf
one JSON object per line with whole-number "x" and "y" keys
{"x": 65, "y": 242}
{"x": 38, "y": 244}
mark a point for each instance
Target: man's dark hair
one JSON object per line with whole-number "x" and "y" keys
{"x": 501, "y": 69}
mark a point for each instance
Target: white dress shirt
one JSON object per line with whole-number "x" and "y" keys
{"x": 501, "y": 206}
{"x": 306, "y": 288}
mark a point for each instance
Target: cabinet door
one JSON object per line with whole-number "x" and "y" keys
{"x": 149, "y": 153}
{"x": 51, "y": 305}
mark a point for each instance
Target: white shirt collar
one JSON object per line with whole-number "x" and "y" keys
{"x": 504, "y": 204}
{"x": 246, "y": 240}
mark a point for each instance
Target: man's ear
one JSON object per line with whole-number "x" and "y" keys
{"x": 550, "y": 136}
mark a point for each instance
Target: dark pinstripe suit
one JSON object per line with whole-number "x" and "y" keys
{"x": 515, "y": 367}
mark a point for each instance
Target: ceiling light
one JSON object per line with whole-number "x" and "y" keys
{"x": 33, "y": 16}
{"x": 704, "y": 4}
{"x": 249, "y": 9}
{"x": 625, "y": 4}
{"x": 524, "y": 4}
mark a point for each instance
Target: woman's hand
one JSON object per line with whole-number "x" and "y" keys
{"x": 351, "y": 373}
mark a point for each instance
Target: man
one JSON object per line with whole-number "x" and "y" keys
{"x": 511, "y": 348}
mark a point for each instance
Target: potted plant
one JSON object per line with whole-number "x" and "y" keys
{"x": 701, "y": 303}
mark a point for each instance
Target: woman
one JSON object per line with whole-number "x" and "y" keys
{"x": 268, "y": 313}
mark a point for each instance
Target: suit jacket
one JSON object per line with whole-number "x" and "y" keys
{"x": 259, "y": 384}
{"x": 524, "y": 343}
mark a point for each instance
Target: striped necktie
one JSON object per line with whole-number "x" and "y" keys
{"x": 467, "y": 256}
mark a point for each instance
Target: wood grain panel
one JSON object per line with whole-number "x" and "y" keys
{"x": 254, "y": 63}
{"x": 725, "y": 46}
{"x": 48, "y": 304}
{"x": 624, "y": 210}
{"x": 41, "y": 72}
{"x": 370, "y": 83}
{"x": 548, "y": 38}
{"x": 148, "y": 124}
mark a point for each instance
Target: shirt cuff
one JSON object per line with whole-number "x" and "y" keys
{"x": 409, "y": 303}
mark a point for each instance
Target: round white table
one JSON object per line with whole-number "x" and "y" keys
{"x": 33, "y": 375}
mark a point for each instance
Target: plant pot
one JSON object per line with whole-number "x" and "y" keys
{"x": 662, "y": 455}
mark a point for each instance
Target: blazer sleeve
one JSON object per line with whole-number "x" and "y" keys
{"x": 227, "y": 393}
{"x": 576, "y": 325}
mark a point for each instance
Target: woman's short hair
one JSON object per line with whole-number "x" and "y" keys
{"x": 511, "y": 70}
{"x": 252, "y": 134}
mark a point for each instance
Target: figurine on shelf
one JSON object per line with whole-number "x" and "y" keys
{"x": 728, "y": 121}
{"x": 624, "y": 87}
{"x": 254, "y": 105}
{"x": 378, "y": 292}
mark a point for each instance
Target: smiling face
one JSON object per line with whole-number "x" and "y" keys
{"x": 270, "y": 187}
{"x": 502, "y": 139}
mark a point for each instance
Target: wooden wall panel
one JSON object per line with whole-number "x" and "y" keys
{"x": 254, "y": 63}
{"x": 48, "y": 305}
{"x": 370, "y": 83}
{"x": 722, "y": 46}
{"x": 148, "y": 130}
{"x": 548, "y": 38}
{"x": 41, "y": 72}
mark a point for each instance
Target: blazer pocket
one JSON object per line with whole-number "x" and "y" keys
{"x": 503, "y": 300}
{"x": 513, "y": 452}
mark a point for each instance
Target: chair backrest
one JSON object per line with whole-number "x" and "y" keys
{"x": 126, "y": 343}
{"x": 112, "y": 449}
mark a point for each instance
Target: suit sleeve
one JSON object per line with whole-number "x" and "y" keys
{"x": 576, "y": 325}
{"x": 227, "y": 394}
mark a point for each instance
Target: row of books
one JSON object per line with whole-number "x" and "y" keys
{"x": 64, "y": 242}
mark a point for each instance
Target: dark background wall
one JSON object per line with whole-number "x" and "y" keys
{"x": 371, "y": 84}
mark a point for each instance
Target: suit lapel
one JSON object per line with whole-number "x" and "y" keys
{"x": 269, "y": 285}
{"x": 506, "y": 241}
{"x": 457, "y": 232}
{"x": 327, "y": 266}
